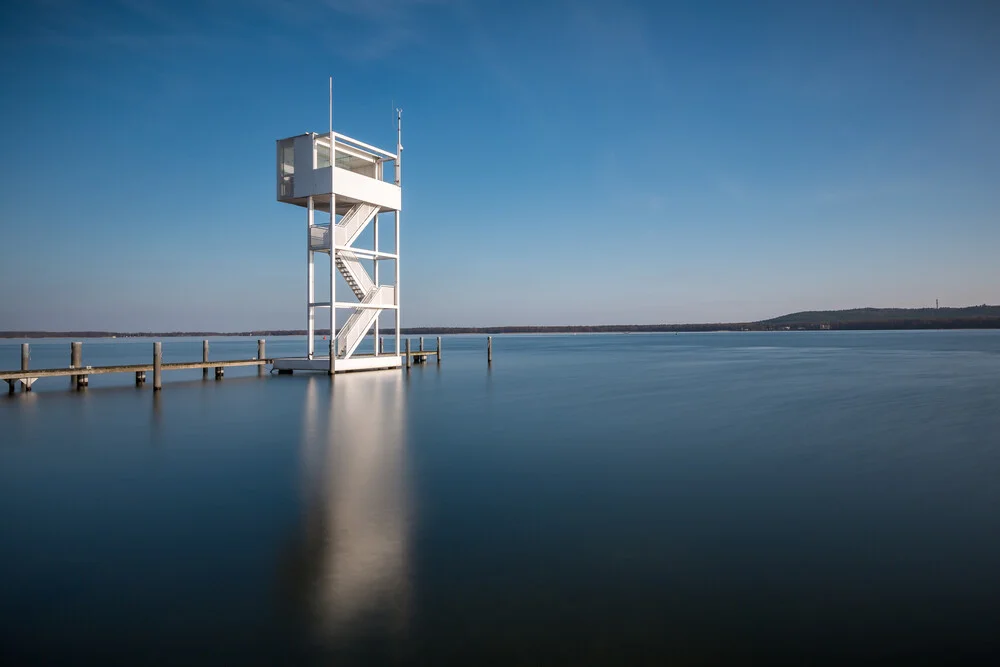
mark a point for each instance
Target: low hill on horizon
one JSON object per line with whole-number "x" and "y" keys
{"x": 886, "y": 315}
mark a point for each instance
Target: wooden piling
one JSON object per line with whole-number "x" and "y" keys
{"x": 157, "y": 363}
{"x": 25, "y": 356}
{"x": 489, "y": 349}
{"x": 204, "y": 357}
{"x": 408, "y": 353}
{"x": 81, "y": 380}
{"x": 421, "y": 349}
{"x": 140, "y": 378}
{"x": 439, "y": 350}
{"x": 75, "y": 360}
{"x": 381, "y": 344}
{"x": 261, "y": 355}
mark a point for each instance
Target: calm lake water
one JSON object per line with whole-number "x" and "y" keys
{"x": 764, "y": 498}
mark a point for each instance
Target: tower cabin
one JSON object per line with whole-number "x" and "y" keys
{"x": 341, "y": 200}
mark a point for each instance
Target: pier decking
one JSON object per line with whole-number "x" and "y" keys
{"x": 357, "y": 362}
{"x": 360, "y": 362}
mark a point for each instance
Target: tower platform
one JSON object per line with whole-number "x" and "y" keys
{"x": 358, "y": 362}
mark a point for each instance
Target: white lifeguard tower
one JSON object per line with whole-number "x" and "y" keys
{"x": 354, "y": 189}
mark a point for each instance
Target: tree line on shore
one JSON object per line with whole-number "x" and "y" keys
{"x": 973, "y": 317}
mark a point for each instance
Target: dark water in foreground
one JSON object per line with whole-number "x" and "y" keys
{"x": 756, "y": 498}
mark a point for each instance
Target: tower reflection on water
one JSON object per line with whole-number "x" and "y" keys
{"x": 352, "y": 561}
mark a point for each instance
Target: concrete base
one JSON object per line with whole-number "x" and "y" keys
{"x": 322, "y": 364}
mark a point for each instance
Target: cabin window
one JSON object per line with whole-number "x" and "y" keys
{"x": 287, "y": 158}
{"x": 322, "y": 155}
{"x": 286, "y": 168}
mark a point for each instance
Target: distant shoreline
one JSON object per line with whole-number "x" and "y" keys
{"x": 859, "y": 319}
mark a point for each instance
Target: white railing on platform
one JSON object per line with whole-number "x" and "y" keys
{"x": 343, "y": 138}
{"x": 348, "y": 228}
{"x": 319, "y": 238}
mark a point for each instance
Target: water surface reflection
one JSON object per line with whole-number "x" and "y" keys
{"x": 353, "y": 551}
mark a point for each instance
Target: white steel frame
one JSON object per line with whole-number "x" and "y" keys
{"x": 342, "y": 144}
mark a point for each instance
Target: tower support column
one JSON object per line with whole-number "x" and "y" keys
{"x": 375, "y": 271}
{"x": 396, "y": 291}
{"x": 333, "y": 269}
{"x": 310, "y": 281}
{"x": 399, "y": 182}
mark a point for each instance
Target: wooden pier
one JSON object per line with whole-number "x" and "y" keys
{"x": 419, "y": 356}
{"x": 79, "y": 374}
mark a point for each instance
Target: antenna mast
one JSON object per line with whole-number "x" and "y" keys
{"x": 399, "y": 143}
{"x": 332, "y": 155}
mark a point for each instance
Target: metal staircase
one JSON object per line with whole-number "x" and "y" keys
{"x": 362, "y": 319}
{"x": 347, "y": 230}
{"x": 355, "y": 274}
{"x": 354, "y": 222}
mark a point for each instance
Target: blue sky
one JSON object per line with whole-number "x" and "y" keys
{"x": 564, "y": 163}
